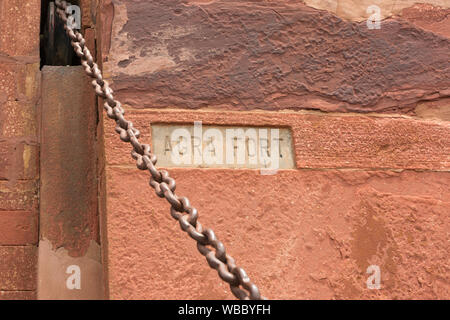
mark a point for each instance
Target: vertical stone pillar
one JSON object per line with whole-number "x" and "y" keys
{"x": 69, "y": 251}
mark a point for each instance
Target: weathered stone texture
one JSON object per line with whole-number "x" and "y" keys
{"x": 338, "y": 141}
{"x": 245, "y": 55}
{"x": 17, "y": 295}
{"x": 18, "y": 160}
{"x": 19, "y": 81}
{"x": 20, "y": 27}
{"x": 367, "y": 190}
{"x": 89, "y": 13}
{"x": 18, "y": 119}
{"x": 298, "y": 234}
{"x": 18, "y": 268}
{"x": 430, "y": 18}
{"x": 19, "y": 195}
{"x": 18, "y": 227}
{"x": 68, "y": 202}
{"x": 434, "y": 110}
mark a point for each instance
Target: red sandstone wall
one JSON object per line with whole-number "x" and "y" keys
{"x": 368, "y": 189}
{"x": 19, "y": 97}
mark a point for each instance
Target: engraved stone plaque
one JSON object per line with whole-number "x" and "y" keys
{"x": 209, "y": 146}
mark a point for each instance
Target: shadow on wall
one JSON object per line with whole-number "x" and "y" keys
{"x": 55, "y": 47}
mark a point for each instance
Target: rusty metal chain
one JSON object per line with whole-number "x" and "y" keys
{"x": 181, "y": 210}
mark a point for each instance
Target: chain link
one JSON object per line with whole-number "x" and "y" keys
{"x": 181, "y": 210}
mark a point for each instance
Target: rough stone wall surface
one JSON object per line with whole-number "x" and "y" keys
{"x": 368, "y": 110}
{"x": 269, "y": 55}
{"x": 69, "y": 232}
{"x": 69, "y": 223}
{"x": 20, "y": 110}
{"x": 19, "y": 148}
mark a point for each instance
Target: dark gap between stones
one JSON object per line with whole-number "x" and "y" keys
{"x": 58, "y": 52}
